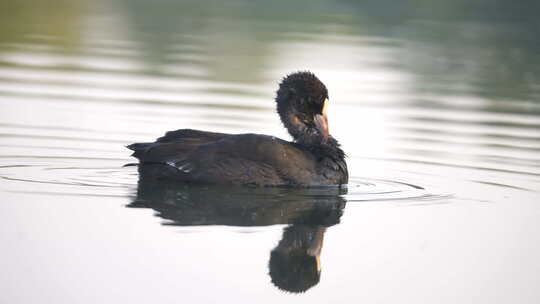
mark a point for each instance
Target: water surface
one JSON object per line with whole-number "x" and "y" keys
{"x": 436, "y": 105}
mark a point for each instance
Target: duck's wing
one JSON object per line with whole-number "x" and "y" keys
{"x": 250, "y": 159}
{"x": 173, "y": 144}
{"x": 216, "y": 158}
{"x": 163, "y": 159}
{"x": 191, "y": 135}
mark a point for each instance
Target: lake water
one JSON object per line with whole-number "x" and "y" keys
{"x": 437, "y": 106}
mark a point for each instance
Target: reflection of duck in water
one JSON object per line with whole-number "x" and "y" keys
{"x": 313, "y": 159}
{"x": 294, "y": 263}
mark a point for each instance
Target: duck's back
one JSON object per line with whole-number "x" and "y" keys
{"x": 216, "y": 158}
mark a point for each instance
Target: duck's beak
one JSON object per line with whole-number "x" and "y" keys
{"x": 318, "y": 261}
{"x": 321, "y": 121}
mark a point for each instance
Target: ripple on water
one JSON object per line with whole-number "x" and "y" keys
{"x": 369, "y": 189}
{"x": 66, "y": 176}
{"x": 107, "y": 177}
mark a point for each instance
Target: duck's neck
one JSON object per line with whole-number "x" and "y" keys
{"x": 323, "y": 148}
{"x": 311, "y": 139}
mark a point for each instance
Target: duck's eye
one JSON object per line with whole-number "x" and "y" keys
{"x": 302, "y": 117}
{"x": 306, "y": 119}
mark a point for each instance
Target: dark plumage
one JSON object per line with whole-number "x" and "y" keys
{"x": 314, "y": 158}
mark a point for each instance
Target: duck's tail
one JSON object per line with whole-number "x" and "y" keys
{"x": 138, "y": 148}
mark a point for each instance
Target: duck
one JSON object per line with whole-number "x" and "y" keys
{"x": 312, "y": 159}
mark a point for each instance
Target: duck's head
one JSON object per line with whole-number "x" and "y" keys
{"x": 301, "y": 103}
